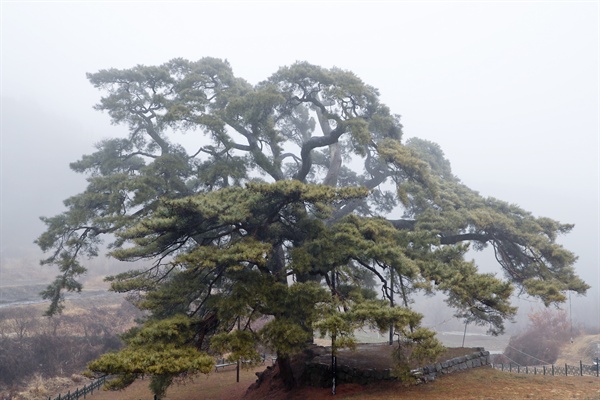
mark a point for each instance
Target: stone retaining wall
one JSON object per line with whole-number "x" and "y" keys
{"x": 318, "y": 374}
{"x": 473, "y": 360}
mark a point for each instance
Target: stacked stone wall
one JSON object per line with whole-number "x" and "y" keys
{"x": 430, "y": 372}
{"x": 318, "y": 374}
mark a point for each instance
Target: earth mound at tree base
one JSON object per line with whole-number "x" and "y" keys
{"x": 375, "y": 356}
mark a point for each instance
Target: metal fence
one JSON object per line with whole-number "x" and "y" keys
{"x": 83, "y": 392}
{"x": 552, "y": 370}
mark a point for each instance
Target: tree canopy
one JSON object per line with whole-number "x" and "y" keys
{"x": 295, "y": 201}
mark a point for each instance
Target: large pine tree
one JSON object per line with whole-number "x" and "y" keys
{"x": 294, "y": 200}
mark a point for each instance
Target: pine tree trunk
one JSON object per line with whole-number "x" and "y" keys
{"x": 285, "y": 372}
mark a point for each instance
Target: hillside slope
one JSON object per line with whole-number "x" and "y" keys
{"x": 585, "y": 348}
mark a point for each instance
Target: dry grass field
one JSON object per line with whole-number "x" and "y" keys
{"x": 217, "y": 385}
{"x": 476, "y": 384}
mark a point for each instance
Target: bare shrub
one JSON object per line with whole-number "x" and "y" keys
{"x": 498, "y": 359}
{"x": 35, "y": 389}
{"x": 18, "y": 321}
{"x": 32, "y": 345}
{"x": 39, "y": 388}
{"x": 547, "y": 331}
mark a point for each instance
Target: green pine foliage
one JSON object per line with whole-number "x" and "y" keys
{"x": 299, "y": 212}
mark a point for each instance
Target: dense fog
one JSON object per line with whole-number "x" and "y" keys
{"x": 509, "y": 91}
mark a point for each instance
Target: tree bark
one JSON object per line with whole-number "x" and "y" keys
{"x": 285, "y": 371}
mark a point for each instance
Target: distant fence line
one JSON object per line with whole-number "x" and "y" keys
{"x": 551, "y": 370}
{"x": 78, "y": 393}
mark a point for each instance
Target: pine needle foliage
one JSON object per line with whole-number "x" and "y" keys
{"x": 294, "y": 201}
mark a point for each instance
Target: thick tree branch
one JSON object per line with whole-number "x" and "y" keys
{"x": 403, "y": 224}
{"x": 351, "y": 205}
{"x": 454, "y": 239}
{"x": 313, "y": 143}
{"x": 164, "y": 146}
{"x": 259, "y": 157}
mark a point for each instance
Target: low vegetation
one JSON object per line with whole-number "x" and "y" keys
{"x": 548, "y": 331}
{"x": 39, "y": 353}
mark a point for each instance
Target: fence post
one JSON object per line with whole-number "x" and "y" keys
{"x": 535, "y": 370}
{"x": 526, "y": 370}
{"x": 580, "y": 368}
{"x": 552, "y": 369}
{"x": 566, "y": 370}
{"x": 518, "y": 368}
{"x": 544, "y": 370}
{"x": 509, "y": 369}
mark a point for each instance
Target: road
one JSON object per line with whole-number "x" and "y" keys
{"x": 21, "y": 295}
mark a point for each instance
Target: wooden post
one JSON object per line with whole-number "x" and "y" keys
{"x": 391, "y": 303}
{"x": 566, "y": 370}
{"x": 237, "y": 368}
{"x": 333, "y": 355}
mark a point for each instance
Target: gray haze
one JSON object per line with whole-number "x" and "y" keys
{"x": 509, "y": 90}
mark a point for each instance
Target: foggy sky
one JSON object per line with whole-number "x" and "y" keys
{"x": 509, "y": 90}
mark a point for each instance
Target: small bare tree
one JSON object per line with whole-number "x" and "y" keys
{"x": 547, "y": 331}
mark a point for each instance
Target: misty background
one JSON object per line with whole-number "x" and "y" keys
{"x": 510, "y": 91}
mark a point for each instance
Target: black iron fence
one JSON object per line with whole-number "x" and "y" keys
{"x": 552, "y": 370}
{"x": 83, "y": 392}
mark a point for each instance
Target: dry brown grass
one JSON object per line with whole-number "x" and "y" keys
{"x": 489, "y": 384}
{"x": 39, "y": 388}
{"x": 476, "y": 384}
{"x": 220, "y": 385}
